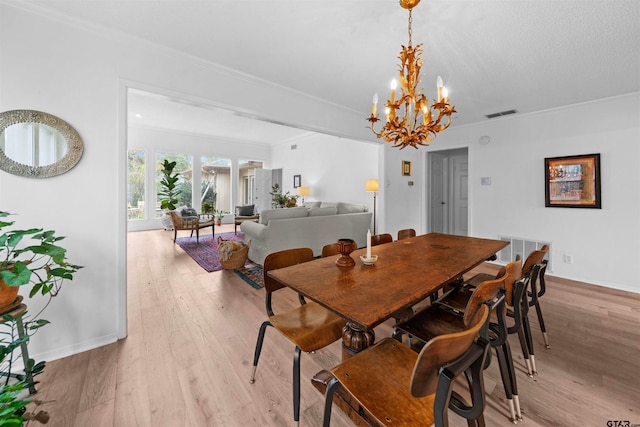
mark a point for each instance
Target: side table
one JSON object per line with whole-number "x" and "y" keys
{"x": 16, "y": 310}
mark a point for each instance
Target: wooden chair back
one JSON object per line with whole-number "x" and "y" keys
{"x": 442, "y": 350}
{"x": 330, "y": 249}
{"x": 535, "y": 257}
{"x": 511, "y": 273}
{"x": 486, "y": 291}
{"x": 406, "y": 233}
{"x": 176, "y": 220}
{"x": 282, "y": 259}
{"x": 379, "y": 239}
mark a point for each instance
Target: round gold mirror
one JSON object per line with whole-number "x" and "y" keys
{"x": 37, "y": 145}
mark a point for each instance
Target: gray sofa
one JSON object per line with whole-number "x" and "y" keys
{"x": 311, "y": 226}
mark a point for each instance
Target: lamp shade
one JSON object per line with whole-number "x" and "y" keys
{"x": 304, "y": 191}
{"x": 372, "y": 185}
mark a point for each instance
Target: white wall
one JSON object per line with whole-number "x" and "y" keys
{"x": 335, "y": 169}
{"x": 404, "y": 205}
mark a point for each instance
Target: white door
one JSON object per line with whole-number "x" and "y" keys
{"x": 265, "y": 178}
{"x": 262, "y": 188}
{"x": 460, "y": 194}
{"x": 438, "y": 193}
{"x": 448, "y": 192}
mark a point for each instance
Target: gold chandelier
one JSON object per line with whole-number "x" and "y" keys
{"x": 420, "y": 122}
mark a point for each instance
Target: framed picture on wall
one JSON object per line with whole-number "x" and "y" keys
{"x": 296, "y": 181}
{"x": 572, "y": 181}
{"x": 406, "y": 168}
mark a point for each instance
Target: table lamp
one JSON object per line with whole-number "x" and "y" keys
{"x": 303, "y": 191}
{"x": 372, "y": 187}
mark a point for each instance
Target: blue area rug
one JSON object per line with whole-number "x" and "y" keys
{"x": 252, "y": 274}
{"x": 205, "y": 253}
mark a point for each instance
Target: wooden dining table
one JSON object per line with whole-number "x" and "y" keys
{"x": 406, "y": 272}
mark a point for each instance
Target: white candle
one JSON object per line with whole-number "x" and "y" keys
{"x": 394, "y": 85}
{"x": 375, "y": 105}
{"x": 368, "y": 244}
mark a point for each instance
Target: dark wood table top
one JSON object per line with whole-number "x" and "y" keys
{"x": 407, "y": 271}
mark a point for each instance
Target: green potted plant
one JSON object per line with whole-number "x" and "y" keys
{"x": 207, "y": 207}
{"x": 168, "y": 192}
{"x": 219, "y": 214}
{"x": 41, "y": 267}
{"x": 280, "y": 200}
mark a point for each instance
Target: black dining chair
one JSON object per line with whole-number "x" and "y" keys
{"x": 447, "y": 313}
{"x": 533, "y": 269}
{"x": 396, "y": 386}
{"x": 406, "y": 233}
{"x": 309, "y": 326}
{"x": 379, "y": 239}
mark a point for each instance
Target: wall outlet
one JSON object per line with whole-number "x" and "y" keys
{"x": 568, "y": 259}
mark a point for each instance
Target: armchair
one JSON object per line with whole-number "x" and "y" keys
{"x": 191, "y": 223}
{"x": 245, "y": 213}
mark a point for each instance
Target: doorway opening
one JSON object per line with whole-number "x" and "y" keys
{"x": 448, "y": 191}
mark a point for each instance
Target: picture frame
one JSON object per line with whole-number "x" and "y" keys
{"x": 297, "y": 181}
{"x": 406, "y": 168}
{"x": 573, "y": 181}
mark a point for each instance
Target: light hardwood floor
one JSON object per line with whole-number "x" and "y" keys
{"x": 188, "y": 356}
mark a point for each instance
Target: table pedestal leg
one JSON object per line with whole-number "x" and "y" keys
{"x": 355, "y": 338}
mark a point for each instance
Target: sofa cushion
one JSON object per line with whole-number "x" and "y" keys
{"x": 329, "y": 210}
{"x": 328, "y": 204}
{"x": 269, "y": 214}
{"x": 344, "y": 208}
{"x": 311, "y": 205}
{"x": 246, "y": 210}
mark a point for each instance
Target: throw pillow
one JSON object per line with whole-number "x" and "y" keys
{"x": 329, "y": 210}
{"x": 328, "y": 204}
{"x": 246, "y": 210}
{"x": 311, "y": 205}
{"x": 189, "y": 212}
{"x": 284, "y": 213}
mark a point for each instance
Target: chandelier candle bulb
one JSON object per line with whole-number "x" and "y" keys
{"x": 425, "y": 113}
{"x": 374, "y": 107}
{"x": 394, "y": 85}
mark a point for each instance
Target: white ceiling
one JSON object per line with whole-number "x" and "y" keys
{"x": 528, "y": 55}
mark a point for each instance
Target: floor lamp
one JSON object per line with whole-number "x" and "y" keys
{"x": 372, "y": 187}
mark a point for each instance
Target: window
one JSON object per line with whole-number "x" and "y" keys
{"x": 215, "y": 190}
{"x": 248, "y": 184}
{"x": 135, "y": 184}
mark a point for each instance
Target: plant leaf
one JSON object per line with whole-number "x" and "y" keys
{"x": 18, "y": 276}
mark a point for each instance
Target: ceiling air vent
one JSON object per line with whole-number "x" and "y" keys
{"x": 500, "y": 114}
